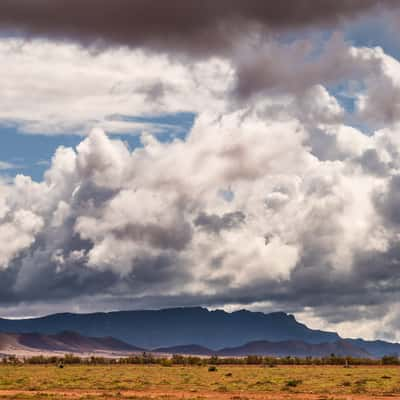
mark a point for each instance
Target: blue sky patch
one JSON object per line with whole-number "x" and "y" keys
{"x": 30, "y": 154}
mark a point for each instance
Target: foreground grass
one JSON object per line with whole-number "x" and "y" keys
{"x": 105, "y": 382}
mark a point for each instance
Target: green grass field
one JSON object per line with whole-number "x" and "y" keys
{"x": 228, "y": 382}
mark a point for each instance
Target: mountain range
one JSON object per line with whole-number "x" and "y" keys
{"x": 29, "y": 344}
{"x": 211, "y": 330}
{"x": 176, "y": 326}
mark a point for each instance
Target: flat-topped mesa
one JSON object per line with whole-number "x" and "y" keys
{"x": 176, "y": 327}
{"x": 214, "y": 330}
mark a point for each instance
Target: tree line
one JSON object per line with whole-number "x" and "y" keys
{"x": 176, "y": 359}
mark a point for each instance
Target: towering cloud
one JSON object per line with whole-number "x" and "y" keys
{"x": 219, "y": 218}
{"x": 275, "y": 199}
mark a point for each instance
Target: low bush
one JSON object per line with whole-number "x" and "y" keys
{"x": 294, "y": 382}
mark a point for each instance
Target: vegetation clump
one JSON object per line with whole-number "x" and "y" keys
{"x": 294, "y": 382}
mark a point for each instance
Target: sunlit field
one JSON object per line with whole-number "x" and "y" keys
{"x": 198, "y": 382}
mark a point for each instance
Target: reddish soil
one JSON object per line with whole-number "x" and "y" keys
{"x": 171, "y": 395}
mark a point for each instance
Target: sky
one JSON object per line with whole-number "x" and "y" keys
{"x": 224, "y": 154}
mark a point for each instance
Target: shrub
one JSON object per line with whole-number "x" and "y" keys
{"x": 165, "y": 362}
{"x": 390, "y": 360}
{"x": 294, "y": 382}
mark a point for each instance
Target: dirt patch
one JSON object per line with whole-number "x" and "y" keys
{"x": 172, "y": 395}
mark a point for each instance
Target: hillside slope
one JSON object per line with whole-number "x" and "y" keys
{"x": 378, "y": 348}
{"x": 64, "y": 342}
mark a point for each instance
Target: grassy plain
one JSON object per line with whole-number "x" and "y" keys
{"x": 105, "y": 382}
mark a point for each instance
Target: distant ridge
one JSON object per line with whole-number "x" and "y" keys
{"x": 378, "y": 348}
{"x": 64, "y": 342}
{"x": 296, "y": 349}
{"x": 180, "y": 327}
{"x": 25, "y": 344}
{"x": 190, "y": 349}
{"x": 274, "y": 349}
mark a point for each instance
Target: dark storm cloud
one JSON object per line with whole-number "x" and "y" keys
{"x": 374, "y": 282}
{"x": 190, "y": 25}
{"x": 215, "y": 223}
{"x": 37, "y": 277}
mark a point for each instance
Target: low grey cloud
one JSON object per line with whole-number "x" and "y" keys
{"x": 215, "y": 223}
{"x": 176, "y": 237}
{"x": 371, "y": 162}
{"x": 387, "y": 201}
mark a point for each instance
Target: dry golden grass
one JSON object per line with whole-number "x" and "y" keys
{"x": 228, "y": 382}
